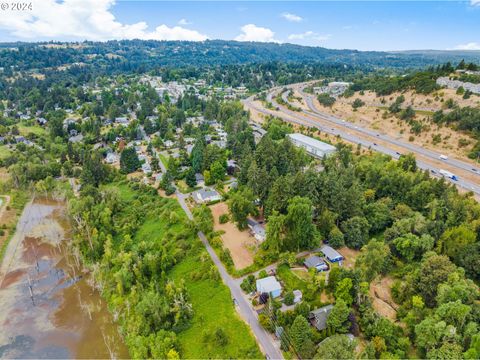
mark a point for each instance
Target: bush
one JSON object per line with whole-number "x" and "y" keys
{"x": 262, "y": 274}
{"x": 248, "y": 284}
{"x": 326, "y": 100}
{"x": 357, "y": 104}
{"x": 288, "y": 298}
{"x": 223, "y": 218}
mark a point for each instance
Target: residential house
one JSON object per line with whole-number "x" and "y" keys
{"x": 269, "y": 285}
{"x": 199, "y": 179}
{"x": 331, "y": 254}
{"x": 315, "y": 262}
{"x": 206, "y": 195}
{"x": 318, "y": 317}
{"x": 111, "y": 158}
{"x": 257, "y": 230}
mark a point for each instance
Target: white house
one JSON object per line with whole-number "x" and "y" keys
{"x": 269, "y": 285}
{"x": 206, "y": 195}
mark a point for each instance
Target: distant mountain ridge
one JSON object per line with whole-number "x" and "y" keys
{"x": 212, "y": 53}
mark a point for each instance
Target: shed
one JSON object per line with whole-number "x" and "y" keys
{"x": 318, "y": 317}
{"x": 315, "y": 262}
{"x": 269, "y": 285}
{"x": 297, "y": 296}
{"x": 331, "y": 254}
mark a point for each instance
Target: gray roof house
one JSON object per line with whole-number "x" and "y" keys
{"x": 315, "y": 262}
{"x": 318, "y": 317}
{"x": 331, "y": 254}
{"x": 206, "y": 195}
{"x": 257, "y": 230}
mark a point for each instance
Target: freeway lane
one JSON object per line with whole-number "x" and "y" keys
{"x": 413, "y": 148}
{"x": 350, "y": 136}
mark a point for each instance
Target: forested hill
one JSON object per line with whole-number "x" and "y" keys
{"x": 145, "y": 55}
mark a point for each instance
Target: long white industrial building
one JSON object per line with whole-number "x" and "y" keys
{"x": 312, "y": 146}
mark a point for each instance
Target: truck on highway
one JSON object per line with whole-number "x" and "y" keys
{"x": 448, "y": 174}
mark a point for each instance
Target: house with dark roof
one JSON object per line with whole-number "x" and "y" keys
{"x": 319, "y": 317}
{"x": 315, "y": 262}
{"x": 331, "y": 254}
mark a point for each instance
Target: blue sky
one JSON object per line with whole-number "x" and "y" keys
{"x": 363, "y": 25}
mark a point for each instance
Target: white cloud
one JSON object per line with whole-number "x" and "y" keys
{"x": 252, "y": 32}
{"x": 468, "y": 46}
{"x": 475, "y": 2}
{"x": 291, "y": 17}
{"x": 84, "y": 20}
{"x": 309, "y": 35}
{"x": 184, "y": 22}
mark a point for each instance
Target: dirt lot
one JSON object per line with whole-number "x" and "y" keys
{"x": 350, "y": 255}
{"x": 370, "y": 115}
{"x": 240, "y": 243}
{"x": 382, "y": 298}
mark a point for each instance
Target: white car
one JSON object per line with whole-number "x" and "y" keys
{"x": 443, "y": 157}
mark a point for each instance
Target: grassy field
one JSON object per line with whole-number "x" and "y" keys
{"x": 210, "y": 298}
{"x": 25, "y": 130}
{"x": 290, "y": 280}
{"x": 213, "y": 307}
{"x": 4, "y": 151}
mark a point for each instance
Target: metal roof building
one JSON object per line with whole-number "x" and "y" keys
{"x": 312, "y": 146}
{"x": 269, "y": 285}
{"x": 331, "y": 254}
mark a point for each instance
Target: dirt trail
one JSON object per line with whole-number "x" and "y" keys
{"x": 380, "y": 292}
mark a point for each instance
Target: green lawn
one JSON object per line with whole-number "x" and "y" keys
{"x": 210, "y": 298}
{"x": 290, "y": 280}
{"x": 213, "y": 308}
{"x": 4, "y": 151}
{"x": 35, "y": 129}
{"x": 164, "y": 159}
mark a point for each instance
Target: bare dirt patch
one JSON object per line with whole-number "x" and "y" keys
{"x": 380, "y": 292}
{"x": 350, "y": 255}
{"x": 240, "y": 243}
{"x": 370, "y": 115}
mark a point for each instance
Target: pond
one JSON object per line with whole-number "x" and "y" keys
{"x": 48, "y": 305}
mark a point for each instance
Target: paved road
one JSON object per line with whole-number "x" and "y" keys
{"x": 347, "y": 132}
{"x": 264, "y": 339}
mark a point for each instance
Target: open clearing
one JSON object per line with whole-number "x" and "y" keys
{"x": 350, "y": 255}
{"x": 240, "y": 243}
{"x": 380, "y": 292}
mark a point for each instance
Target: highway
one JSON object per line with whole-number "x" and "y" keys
{"x": 426, "y": 159}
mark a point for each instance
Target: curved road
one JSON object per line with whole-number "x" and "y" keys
{"x": 267, "y": 344}
{"x": 327, "y": 123}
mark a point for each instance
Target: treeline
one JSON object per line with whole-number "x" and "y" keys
{"x": 144, "y": 55}
{"x": 408, "y": 225}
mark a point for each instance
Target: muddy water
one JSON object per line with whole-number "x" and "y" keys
{"x": 48, "y": 307}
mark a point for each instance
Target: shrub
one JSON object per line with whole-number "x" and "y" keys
{"x": 288, "y": 298}
{"x": 223, "y": 218}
